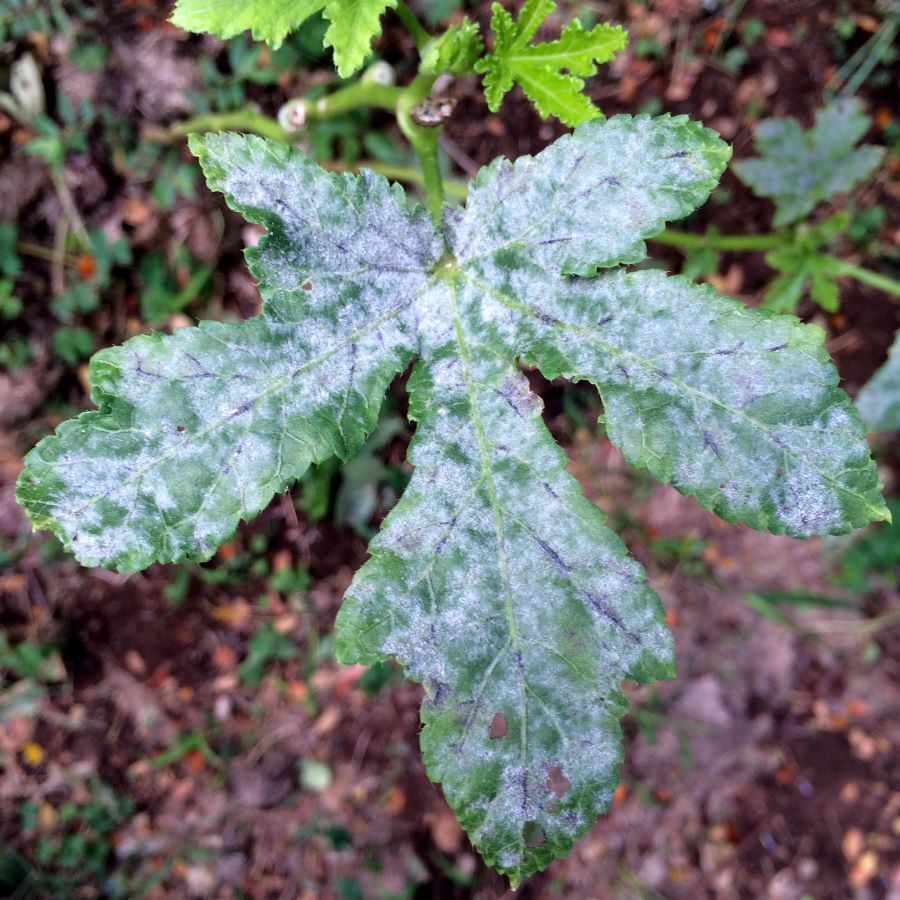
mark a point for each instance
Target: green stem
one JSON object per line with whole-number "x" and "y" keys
{"x": 866, "y": 276}
{"x": 413, "y": 25}
{"x": 398, "y": 172}
{"x": 240, "y": 120}
{"x": 424, "y": 142}
{"x": 687, "y": 241}
{"x": 357, "y": 95}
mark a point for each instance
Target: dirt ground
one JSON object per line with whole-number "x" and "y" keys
{"x": 768, "y": 768}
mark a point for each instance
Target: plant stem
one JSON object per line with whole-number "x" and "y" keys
{"x": 239, "y": 120}
{"x": 45, "y": 253}
{"x": 424, "y": 142}
{"x": 413, "y": 25}
{"x": 398, "y": 172}
{"x": 866, "y": 276}
{"x": 70, "y": 210}
{"x": 687, "y": 241}
{"x": 357, "y": 95}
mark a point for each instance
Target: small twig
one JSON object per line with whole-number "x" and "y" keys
{"x": 26, "y": 248}
{"x": 69, "y": 208}
{"x": 289, "y": 511}
{"x": 847, "y": 339}
{"x": 267, "y": 741}
{"x": 57, "y": 273}
{"x": 359, "y": 750}
{"x": 735, "y": 10}
{"x": 459, "y": 156}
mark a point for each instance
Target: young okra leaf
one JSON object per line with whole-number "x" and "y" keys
{"x": 803, "y": 262}
{"x": 879, "y": 400}
{"x": 551, "y": 74}
{"x": 800, "y": 169}
{"x": 354, "y": 23}
{"x": 493, "y": 581}
{"x": 455, "y": 51}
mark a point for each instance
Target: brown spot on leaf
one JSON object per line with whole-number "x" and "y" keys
{"x": 498, "y": 726}
{"x": 557, "y": 781}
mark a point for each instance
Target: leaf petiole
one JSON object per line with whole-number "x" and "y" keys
{"x": 424, "y": 141}
{"x": 748, "y": 242}
{"x": 412, "y": 24}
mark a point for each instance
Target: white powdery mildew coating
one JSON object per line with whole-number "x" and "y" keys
{"x": 352, "y": 237}
{"x": 497, "y": 585}
{"x": 879, "y": 401}
{"x": 218, "y": 419}
{"x": 198, "y": 430}
{"x": 735, "y": 406}
{"x": 590, "y": 198}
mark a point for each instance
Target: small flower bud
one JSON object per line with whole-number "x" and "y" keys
{"x": 292, "y": 116}
{"x": 381, "y": 73}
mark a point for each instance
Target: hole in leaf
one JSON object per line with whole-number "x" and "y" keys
{"x": 498, "y": 726}
{"x": 306, "y": 286}
{"x": 533, "y": 834}
{"x": 557, "y": 781}
{"x": 180, "y": 429}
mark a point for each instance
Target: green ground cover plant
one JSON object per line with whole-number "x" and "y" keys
{"x": 493, "y": 581}
{"x": 799, "y": 171}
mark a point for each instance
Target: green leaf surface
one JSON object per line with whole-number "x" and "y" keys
{"x": 591, "y": 198}
{"x": 455, "y": 51}
{"x": 267, "y": 20}
{"x": 552, "y": 73}
{"x": 354, "y": 23}
{"x": 879, "y": 400}
{"x": 693, "y": 390}
{"x": 799, "y": 169}
{"x": 494, "y": 581}
{"x": 801, "y": 264}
